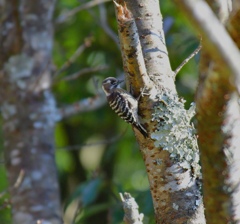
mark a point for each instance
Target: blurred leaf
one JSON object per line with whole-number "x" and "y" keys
{"x": 91, "y": 191}
{"x": 96, "y": 58}
{"x": 87, "y": 192}
{"x": 91, "y": 210}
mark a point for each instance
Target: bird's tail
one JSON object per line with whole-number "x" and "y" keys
{"x": 142, "y": 130}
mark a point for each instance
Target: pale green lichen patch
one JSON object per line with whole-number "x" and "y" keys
{"x": 175, "y": 132}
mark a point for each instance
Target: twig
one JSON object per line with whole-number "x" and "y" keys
{"x": 19, "y": 179}
{"x": 85, "y": 105}
{"x": 76, "y": 212}
{"x": 105, "y": 26}
{"x": 16, "y": 184}
{"x": 130, "y": 207}
{"x": 187, "y": 60}
{"x": 103, "y": 142}
{"x": 216, "y": 39}
{"x": 76, "y": 54}
{"x": 102, "y": 22}
{"x": 84, "y": 71}
{"x": 65, "y": 16}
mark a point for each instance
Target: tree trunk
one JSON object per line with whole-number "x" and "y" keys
{"x": 170, "y": 152}
{"x": 219, "y": 137}
{"x": 29, "y": 111}
{"x": 218, "y": 112}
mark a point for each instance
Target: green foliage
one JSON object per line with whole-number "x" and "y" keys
{"x": 86, "y": 192}
{"x": 4, "y": 198}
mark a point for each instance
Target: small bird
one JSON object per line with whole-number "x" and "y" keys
{"x": 123, "y": 103}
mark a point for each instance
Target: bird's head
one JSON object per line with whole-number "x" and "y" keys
{"x": 110, "y": 83}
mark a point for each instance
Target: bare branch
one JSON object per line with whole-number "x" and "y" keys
{"x": 103, "y": 142}
{"x": 17, "y": 183}
{"x": 84, "y": 71}
{"x": 76, "y": 54}
{"x": 187, "y": 60}
{"x": 65, "y": 16}
{"x": 216, "y": 40}
{"x": 130, "y": 208}
{"x": 19, "y": 179}
{"x": 104, "y": 24}
{"x": 78, "y": 207}
{"x": 82, "y": 106}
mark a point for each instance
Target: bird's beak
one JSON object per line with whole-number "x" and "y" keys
{"x": 120, "y": 81}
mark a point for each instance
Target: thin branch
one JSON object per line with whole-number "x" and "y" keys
{"x": 187, "y": 60}
{"x": 65, "y": 16}
{"x": 103, "y": 142}
{"x": 105, "y": 26}
{"x": 19, "y": 179}
{"x": 16, "y": 184}
{"x": 76, "y": 212}
{"x": 82, "y": 106}
{"x": 130, "y": 207}
{"x": 84, "y": 71}
{"x": 76, "y": 54}
{"x": 85, "y": 105}
{"x": 216, "y": 39}
{"x": 102, "y": 22}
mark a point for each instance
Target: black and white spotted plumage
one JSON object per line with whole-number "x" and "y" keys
{"x": 123, "y": 103}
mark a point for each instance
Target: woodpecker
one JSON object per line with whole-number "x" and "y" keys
{"x": 122, "y": 103}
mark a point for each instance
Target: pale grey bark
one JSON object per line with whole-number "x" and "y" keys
{"x": 171, "y": 152}
{"x": 29, "y": 111}
{"x": 218, "y": 110}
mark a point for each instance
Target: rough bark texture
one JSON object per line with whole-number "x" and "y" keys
{"x": 219, "y": 128}
{"x": 28, "y": 110}
{"x": 218, "y": 110}
{"x": 170, "y": 153}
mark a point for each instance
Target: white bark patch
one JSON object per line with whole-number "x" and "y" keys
{"x": 38, "y": 124}
{"x": 23, "y": 217}
{"x": 33, "y": 150}
{"x": 15, "y": 161}
{"x": 20, "y": 144}
{"x": 175, "y": 206}
{"x": 37, "y": 208}
{"x": 36, "y": 175}
{"x": 15, "y": 152}
{"x": 8, "y": 110}
{"x": 50, "y": 109}
{"x": 26, "y": 183}
{"x": 19, "y": 67}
